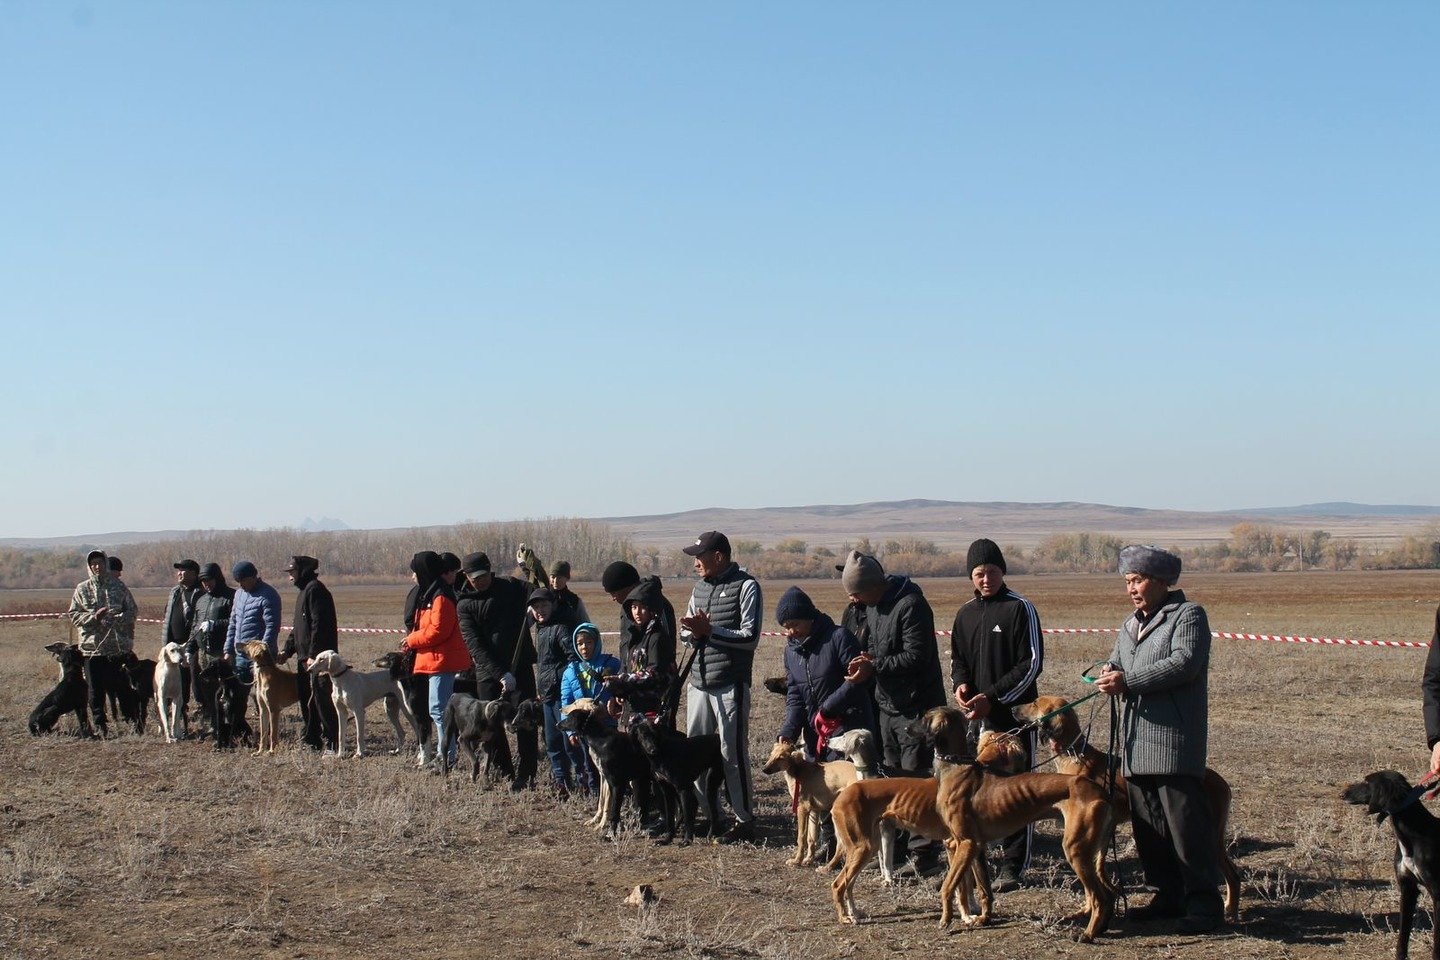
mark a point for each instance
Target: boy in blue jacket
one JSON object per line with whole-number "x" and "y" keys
{"x": 584, "y": 677}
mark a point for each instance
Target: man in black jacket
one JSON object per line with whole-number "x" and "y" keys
{"x": 996, "y": 654}
{"x": 492, "y": 615}
{"x": 316, "y": 629}
{"x": 179, "y": 617}
{"x": 1430, "y": 694}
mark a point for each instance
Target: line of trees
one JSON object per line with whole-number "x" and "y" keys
{"x": 365, "y": 556}
{"x": 346, "y": 556}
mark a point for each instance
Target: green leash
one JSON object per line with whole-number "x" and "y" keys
{"x": 1085, "y": 677}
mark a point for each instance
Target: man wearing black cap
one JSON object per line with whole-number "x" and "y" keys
{"x": 492, "y": 615}
{"x": 176, "y": 624}
{"x": 722, "y": 627}
{"x": 209, "y": 624}
{"x": 316, "y": 629}
{"x": 996, "y": 655}
{"x": 103, "y": 612}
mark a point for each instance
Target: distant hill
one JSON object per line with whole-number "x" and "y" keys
{"x": 950, "y": 524}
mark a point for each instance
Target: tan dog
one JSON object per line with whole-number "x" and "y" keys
{"x": 812, "y": 788}
{"x": 979, "y": 807}
{"x": 1075, "y": 755}
{"x": 275, "y": 689}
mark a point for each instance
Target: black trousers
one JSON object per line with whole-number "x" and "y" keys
{"x": 527, "y": 742}
{"x": 904, "y": 753}
{"x": 1175, "y": 837}
{"x": 103, "y": 674}
{"x": 317, "y": 709}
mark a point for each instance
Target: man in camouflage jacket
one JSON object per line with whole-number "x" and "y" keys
{"x": 103, "y": 612}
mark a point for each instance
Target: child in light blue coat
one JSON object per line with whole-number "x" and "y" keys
{"x": 584, "y": 677}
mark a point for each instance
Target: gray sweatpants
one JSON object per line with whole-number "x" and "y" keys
{"x": 725, "y": 711}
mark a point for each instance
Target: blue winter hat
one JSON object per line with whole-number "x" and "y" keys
{"x": 242, "y": 570}
{"x": 586, "y": 627}
{"x": 795, "y": 605}
{"x": 1150, "y": 561}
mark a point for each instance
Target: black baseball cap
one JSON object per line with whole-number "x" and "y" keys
{"x": 475, "y": 564}
{"x": 707, "y": 541}
{"x": 190, "y": 565}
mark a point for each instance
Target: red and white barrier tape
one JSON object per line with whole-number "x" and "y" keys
{"x": 1218, "y": 634}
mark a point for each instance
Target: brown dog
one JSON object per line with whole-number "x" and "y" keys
{"x": 1075, "y": 755}
{"x": 812, "y": 788}
{"x": 979, "y": 807}
{"x": 275, "y": 689}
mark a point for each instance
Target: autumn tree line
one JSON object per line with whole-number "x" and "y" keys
{"x": 383, "y": 556}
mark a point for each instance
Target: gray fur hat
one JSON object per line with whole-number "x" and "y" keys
{"x": 1149, "y": 560}
{"x": 862, "y": 573}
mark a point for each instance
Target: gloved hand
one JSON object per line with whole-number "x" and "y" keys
{"x": 207, "y": 625}
{"x": 507, "y": 683}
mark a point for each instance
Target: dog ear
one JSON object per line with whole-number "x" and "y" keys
{"x": 491, "y": 710}
{"x": 56, "y": 648}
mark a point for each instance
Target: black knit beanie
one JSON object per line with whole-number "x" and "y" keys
{"x": 619, "y": 576}
{"x": 981, "y": 552}
{"x": 794, "y": 605}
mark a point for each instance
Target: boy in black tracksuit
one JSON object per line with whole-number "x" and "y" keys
{"x": 996, "y": 654}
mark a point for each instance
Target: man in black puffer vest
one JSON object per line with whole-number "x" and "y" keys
{"x": 722, "y": 626}
{"x": 316, "y": 629}
{"x": 996, "y": 654}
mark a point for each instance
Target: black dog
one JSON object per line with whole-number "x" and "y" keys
{"x": 70, "y": 694}
{"x": 401, "y": 664}
{"x": 230, "y": 697}
{"x": 620, "y": 761}
{"x": 678, "y": 761}
{"x": 139, "y": 676}
{"x": 1417, "y": 843}
{"x": 479, "y": 725}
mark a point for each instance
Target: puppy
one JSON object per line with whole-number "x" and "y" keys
{"x": 679, "y": 762}
{"x": 352, "y": 691}
{"x": 169, "y": 683}
{"x": 812, "y": 788}
{"x": 70, "y": 695}
{"x": 477, "y": 725}
{"x": 1386, "y": 793}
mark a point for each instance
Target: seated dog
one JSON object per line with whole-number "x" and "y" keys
{"x": 169, "y": 684}
{"x": 71, "y": 694}
{"x": 352, "y": 691}
{"x": 617, "y": 756}
{"x": 1074, "y": 754}
{"x": 679, "y": 762}
{"x": 813, "y": 788}
{"x": 478, "y": 725}
{"x": 1386, "y": 793}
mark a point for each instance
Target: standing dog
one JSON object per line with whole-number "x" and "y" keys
{"x": 228, "y": 706}
{"x": 479, "y": 725}
{"x": 1386, "y": 793}
{"x": 812, "y": 788}
{"x": 140, "y": 679}
{"x": 275, "y": 689}
{"x": 169, "y": 686}
{"x": 71, "y": 694}
{"x": 678, "y": 762}
{"x": 353, "y": 691}
{"x": 980, "y": 807}
{"x": 1074, "y": 754}
{"x": 619, "y": 759}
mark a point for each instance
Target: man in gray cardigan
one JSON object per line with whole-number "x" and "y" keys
{"x": 1159, "y": 666}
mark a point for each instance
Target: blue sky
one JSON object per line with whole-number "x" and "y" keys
{"x": 415, "y": 263}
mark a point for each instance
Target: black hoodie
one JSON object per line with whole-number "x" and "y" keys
{"x": 316, "y": 628}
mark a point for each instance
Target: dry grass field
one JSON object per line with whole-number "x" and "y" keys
{"x": 131, "y": 848}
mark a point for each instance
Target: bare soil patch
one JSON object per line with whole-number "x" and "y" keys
{"x": 131, "y": 848}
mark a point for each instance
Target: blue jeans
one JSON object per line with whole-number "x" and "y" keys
{"x": 441, "y": 686}
{"x": 556, "y": 745}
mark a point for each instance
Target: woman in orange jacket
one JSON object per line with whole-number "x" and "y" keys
{"x": 439, "y": 650}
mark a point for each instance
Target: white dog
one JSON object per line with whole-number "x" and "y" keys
{"x": 168, "y": 682}
{"x": 353, "y": 691}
